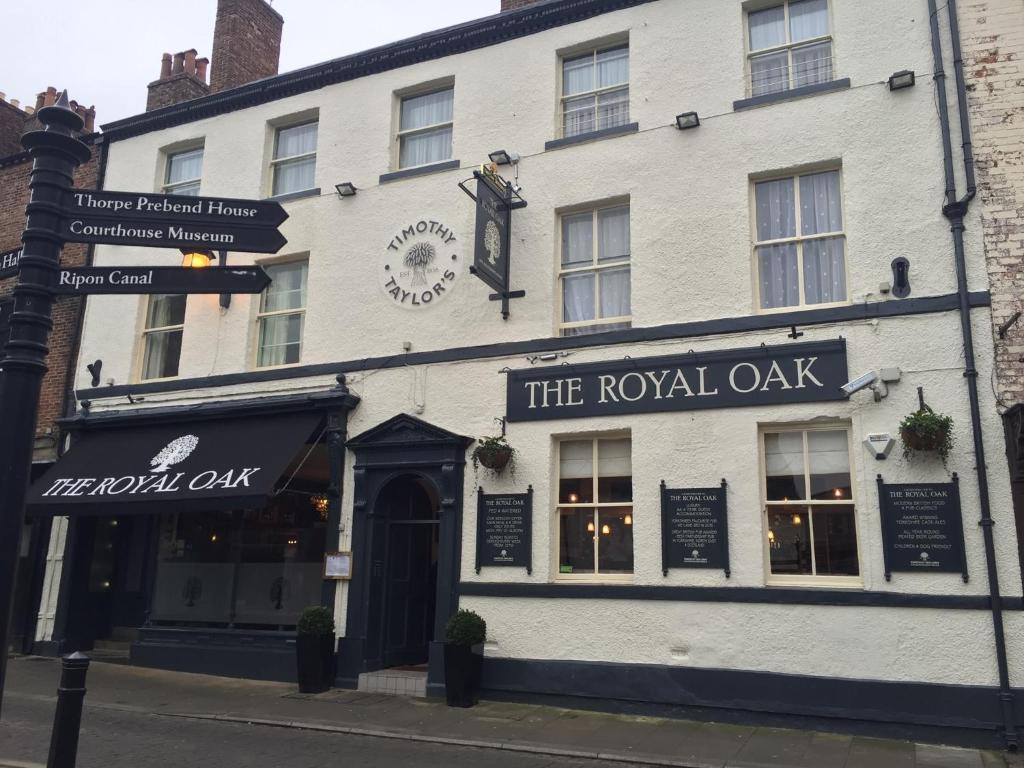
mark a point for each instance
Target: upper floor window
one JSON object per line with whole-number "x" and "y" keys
{"x": 282, "y": 315}
{"x": 595, "y": 507}
{"x": 425, "y": 128}
{"x": 294, "y": 163}
{"x": 799, "y": 247}
{"x": 595, "y": 271}
{"x": 789, "y": 46}
{"x": 165, "y": 325}
{"x": 808, "y": 502}
{"x": 595, "y": 91}
{"x": 184, "y": 173}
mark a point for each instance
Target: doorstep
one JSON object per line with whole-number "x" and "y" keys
{"x": 397, "y": 681}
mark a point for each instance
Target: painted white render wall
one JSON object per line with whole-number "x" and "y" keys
{"x": 691, "y": 260}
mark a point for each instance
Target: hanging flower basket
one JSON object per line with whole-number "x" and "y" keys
{"x": 493, "y": 453}
{"x": 928, "y": 432}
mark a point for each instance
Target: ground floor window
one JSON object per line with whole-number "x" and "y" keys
{"x": 595, "y": 507}
{"x": 254, "y": 568}
{"x": 811, "y": 524}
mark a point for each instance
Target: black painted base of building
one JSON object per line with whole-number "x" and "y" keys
{"x": 223, "y": 652}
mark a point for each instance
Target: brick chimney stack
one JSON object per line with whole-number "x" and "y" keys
{"x": 16, "y": 119}
{"x": 182, "y": 77}
{"x": 511, "y": 5}
{"x": 246, "y": 43}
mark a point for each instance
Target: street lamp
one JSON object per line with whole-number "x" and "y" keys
{"x": 195, "y": 259}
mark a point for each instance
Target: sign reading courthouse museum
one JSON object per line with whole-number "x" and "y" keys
{"x": 789, "y": 373}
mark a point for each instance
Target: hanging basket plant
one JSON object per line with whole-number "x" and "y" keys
{"x": 928, "y": 432}
{"x": 495, "y": 454}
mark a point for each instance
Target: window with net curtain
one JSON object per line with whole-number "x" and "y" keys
{"x": 595, "y": 91}
{"x": 425, "y": 128}
{"x": 811, "y": 523}
{"x": 595, "y": 507}
{"x": 800, "y": 248}
{"x": 282, "y": 314}
{"x": 165, "y": 325}
{"x": 184, "y": 173}
{"x": 294, "y": 160}
{"x": 595, "y": 271}
{"x": 790, "y": 46}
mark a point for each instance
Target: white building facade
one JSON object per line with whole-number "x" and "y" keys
{"x": 694, "y": 297}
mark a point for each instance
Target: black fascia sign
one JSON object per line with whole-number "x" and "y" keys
{"x": 146, "y": 280}
{"x": 493, "y": 235}
{"x": 9, "y": 263}
{"x": 922, "y": 528}
{"x": 783, "y": 374}
{"x": 131, "y": 206}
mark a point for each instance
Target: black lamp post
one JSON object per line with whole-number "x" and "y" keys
{"x": 55, "y": 152}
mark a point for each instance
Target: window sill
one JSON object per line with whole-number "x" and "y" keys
{"x": 282, "y": 367}
{"x": 790, "y": 95}
{"x": 315, "y": 192}
{"x": 584, "y": 138}
{"x": 590, "y": 578}
{"x": 803, "y": 307}
{"x": 819, "y": 582}
{"x": 420, "y": 170}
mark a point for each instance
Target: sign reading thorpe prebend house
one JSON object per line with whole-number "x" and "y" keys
{"x": 790, "y": 373}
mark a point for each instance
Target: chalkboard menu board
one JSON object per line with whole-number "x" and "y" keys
{"x": 503, "y": 530}
{"x": 694, "y": 528}
{"x": 922, "y": 528}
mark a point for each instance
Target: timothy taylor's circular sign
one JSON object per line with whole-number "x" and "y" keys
{"x": 421, "y": 264}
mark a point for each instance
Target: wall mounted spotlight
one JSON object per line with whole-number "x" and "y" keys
{"x": 504, "y": 157}
{"x": 903, "y": 79}
{"x": 687, "y": 120}
{"x": 346, "y": 189}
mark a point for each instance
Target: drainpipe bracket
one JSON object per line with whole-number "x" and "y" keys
{"x": 956, "y": 211}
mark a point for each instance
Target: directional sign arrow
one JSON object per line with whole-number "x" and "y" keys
{"x": 9, "y": 263}
{"x": 143, "y": 280}
{"x": 168, "y": 232}
{"x": 181, "y": 209}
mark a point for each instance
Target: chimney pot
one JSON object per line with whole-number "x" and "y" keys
{"x": 90, "y": 120}
{"x": 14, "y": 103}
{"x": 165, "y": 66}
{"x": 30, "y": 111}
{"x": 179, "y": 63}
{"x": 201, "y": 65}
{"x": 51, "y": 97}
{"x": 39, "y": 100}
{"x": 3, "y": 96}
{"x": 190, "y": 61}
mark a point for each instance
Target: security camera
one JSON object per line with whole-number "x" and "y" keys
{"x": 861, "y": 382}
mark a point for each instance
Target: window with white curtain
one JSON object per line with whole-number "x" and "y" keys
{"x": 810, "y": 524}
{"x": 595, "y": 90}
{"x": 184, "y": 173}
{"x": 294, "y": 162}
{"x": 595, "y": 271}
{"x": 789, "y": 46}
{"x": 282, "y": 315}
{"x": 425, "y": 128}
{"x": 161, "y": 338}
{"x": 595, "y": 507}
{"x": 799, "y": 245}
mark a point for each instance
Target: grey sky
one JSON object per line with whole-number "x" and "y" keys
{"x": 105, "y": 52}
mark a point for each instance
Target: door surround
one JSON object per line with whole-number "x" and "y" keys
{"x": 402, "y": 445}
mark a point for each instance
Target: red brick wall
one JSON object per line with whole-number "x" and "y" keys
{"x": 11, "y": 121}
{"x": 246, "y": 43}
{"x": 14, "y": 175}
{"x": 177, "y": 88}
{"x": 993, "y": 40}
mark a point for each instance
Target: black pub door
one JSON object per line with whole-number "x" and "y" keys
{"x": 410, "y": 507}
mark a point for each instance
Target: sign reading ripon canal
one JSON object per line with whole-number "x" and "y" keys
{"x": 788, "y": 373}
{"x": 922, "y": 528}
{"x": 144, "y": 280}
{"x": 172, "y": 221}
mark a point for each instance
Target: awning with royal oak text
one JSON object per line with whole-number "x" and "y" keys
{"x": 181, "y": 466}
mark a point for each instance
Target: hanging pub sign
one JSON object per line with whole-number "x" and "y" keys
{"x": 788, "y": 373}
{"x": 694, "y": 528}
{"x": 504, "y": 524}
{"x": 922, "y": 528}
{"x": 9, "y": 263}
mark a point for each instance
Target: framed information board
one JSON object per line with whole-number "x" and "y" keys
{"x": 694, "y": 528}
{"x": 504, "y": 530}
{"x": 922, "y": 528}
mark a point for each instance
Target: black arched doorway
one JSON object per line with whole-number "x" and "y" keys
{"x": 409, "y": 506}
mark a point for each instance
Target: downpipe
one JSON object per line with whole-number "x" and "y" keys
{"x": 955, "y": 210}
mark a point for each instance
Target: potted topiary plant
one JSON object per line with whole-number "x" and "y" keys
{"x": 463, "y": 657}
{"x": 495, "y": 454}
{"x": 314, "y": 649}
{"x": 927, "y": 431}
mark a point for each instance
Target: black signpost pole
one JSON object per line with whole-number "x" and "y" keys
{"x": 55, "y": 152}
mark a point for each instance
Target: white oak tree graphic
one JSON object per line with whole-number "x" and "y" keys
{"x": 418, "y": 257}
{"x": 492, "y": 242}
{"x": 174, "y": 452}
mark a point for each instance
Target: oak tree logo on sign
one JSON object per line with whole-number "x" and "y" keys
{"x": 492, "y": 242}
{"x": 421, "y": 264}
{"x": 174, "y": 452}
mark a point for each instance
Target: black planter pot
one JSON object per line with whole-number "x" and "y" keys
{"x": 462, "y": 666}
{"x": 314, "y": 660}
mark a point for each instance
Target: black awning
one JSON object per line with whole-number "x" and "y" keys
{"x": 173, "y": 466}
